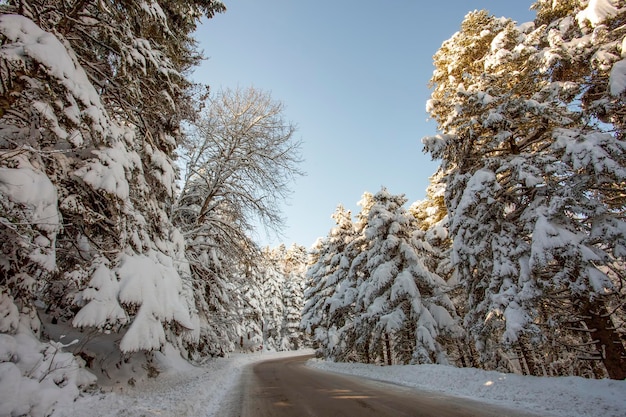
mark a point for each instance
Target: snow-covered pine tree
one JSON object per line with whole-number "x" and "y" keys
{"x": 324, "y": 276}
{"x": 432, "y": 209}
{"x": 351, "y": 273}
{"x": 315, "y": 282}
{"x": 269, "y": 301}
{"x": 251, "y": 312}
{"x": 271, "y": 281}
{"x": 486, "y": 249}
{"x": 92, "y": 97}
{"x": 431, "y": 215}
{"x": 93, "y": 94}
{"x": 584, "y": 221}
{"x": 292, "y": 336}
{"x": 294, "y": 270}
{"x": 219, "y": 283}
{"x": 401, "y": 307}
{"x": 532, "y": 170}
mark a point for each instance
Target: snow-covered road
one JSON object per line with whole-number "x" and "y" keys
{"x": 185, "y": 391}
{"x": 289, "y": 388}
{"x": 206, "y": 391}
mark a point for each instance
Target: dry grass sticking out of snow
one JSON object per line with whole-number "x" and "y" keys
{"x": 549, "y": 396}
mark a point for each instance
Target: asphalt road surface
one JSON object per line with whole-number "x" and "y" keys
{"x": 288, "y": 388}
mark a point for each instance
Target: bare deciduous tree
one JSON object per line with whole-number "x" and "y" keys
{"x": 240, "y": 159}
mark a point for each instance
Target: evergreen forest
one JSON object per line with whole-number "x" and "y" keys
{"x": 131, "y": 197}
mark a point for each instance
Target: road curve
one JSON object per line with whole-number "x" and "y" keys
{"x": 288, "y": 388}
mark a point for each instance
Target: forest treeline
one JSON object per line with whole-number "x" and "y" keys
{"x": 516, "y": 258}
{"x": 130, "y": 198}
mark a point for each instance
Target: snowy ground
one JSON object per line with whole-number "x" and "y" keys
{"x": 182, "y": 391}
{"x": 185, "y": 390}
{"x": 564, "y": 396}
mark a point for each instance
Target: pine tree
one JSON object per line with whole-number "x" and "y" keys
{"x": 294, "y": 270}
{"x": 292, "y": 336}
{"x": 324, "y": 276}
{"x": 341, "y": 305}
{"x": 431, "y": 216}
{"x": 533, "y": 159}
{"x": 588, "y": 212}
{"x": 93, "y": 94}
{"x": 271, "y": 281}
{"x": 399, "y": 302}
{"x": 251, "y": 313}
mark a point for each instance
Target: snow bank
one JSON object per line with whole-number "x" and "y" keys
{"x": 211, "y": 389}
{"x": 36, "y": 377}
{"x": 555, "y": 396}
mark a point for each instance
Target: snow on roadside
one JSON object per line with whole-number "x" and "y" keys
{"x": 187, "y": 390}
{"x": 183, "y": 390}
{"x": 557, "y": 396}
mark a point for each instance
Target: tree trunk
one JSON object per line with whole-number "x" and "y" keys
{"x": 459, "y": 346}
{"x": 474, "y": 360}
{"x": 388, "y": 348}
{"x": 607, "y": 339}
{"x": 527, "y": 356}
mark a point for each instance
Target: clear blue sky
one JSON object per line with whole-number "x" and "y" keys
{"x": 353, "y": 76}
